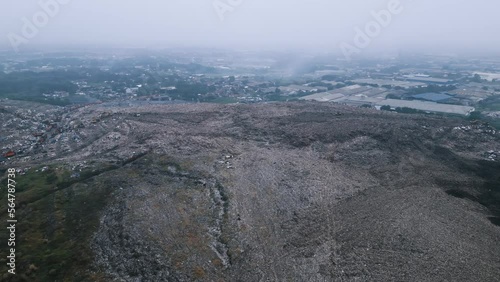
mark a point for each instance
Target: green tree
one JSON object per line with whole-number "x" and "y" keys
{"x": 477, "y": 78}
{"x": 51, "y": 178}
{"x": 475, "y": 115}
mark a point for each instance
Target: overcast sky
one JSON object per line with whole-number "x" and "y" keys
{"x": 315, "y": 24}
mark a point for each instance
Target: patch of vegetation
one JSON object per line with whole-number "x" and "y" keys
{"x": 495, "y": 123}
{"x": 494, "y": 220}
{"x": 279, "y": 98}
{"x": 386, "y": 108}
{"x": 491, "y": 103}
{"x": 222, "y": 100}
{"x": 475, "y": 115}
{"x": 56, "y": 217}
{"x": 39, "y": 99}
{"x": 393, "y": 96}
{"x": 406, "y": 110}
{"x": 190, "y": 91}
{"x": 479, "y": 116}
{"x": 30, "y": 86}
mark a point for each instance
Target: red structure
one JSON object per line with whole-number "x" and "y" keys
{"x": 9, "y": 154}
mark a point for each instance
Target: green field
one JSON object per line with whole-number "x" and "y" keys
{"x": 54, "y": 227}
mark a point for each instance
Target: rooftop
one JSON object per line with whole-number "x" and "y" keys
{"x": 435, "y": 97}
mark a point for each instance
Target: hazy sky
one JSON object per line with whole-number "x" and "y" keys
{"x": 318, "y": 24}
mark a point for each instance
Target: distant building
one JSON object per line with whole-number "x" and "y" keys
{"x": 429, "y": 80}
{"x": 434, "y": 97}
{"x": 9, "y": 154}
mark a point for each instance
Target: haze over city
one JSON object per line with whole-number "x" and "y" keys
{"x": 447, "y": 25}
